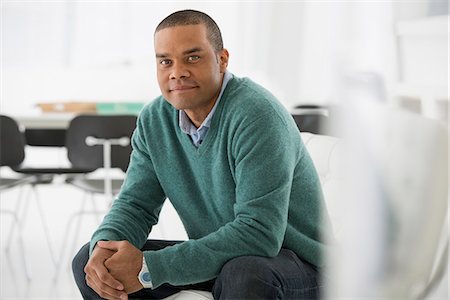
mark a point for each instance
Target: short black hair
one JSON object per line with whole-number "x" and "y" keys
{"x": 194, "y": 17}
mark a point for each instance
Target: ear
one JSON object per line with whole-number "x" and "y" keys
{"x": 223, "y": 60}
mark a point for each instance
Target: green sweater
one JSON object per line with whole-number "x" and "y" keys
{"x": 249, "y": 189}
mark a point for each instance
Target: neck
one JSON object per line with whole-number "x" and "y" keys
{"x": 197, "y": 116}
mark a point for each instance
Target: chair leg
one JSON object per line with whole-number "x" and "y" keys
{"x": 21, "y": 219}
{"x": 66, "y": 238}
{"x": 22, "y": 249}
{"x": 80, "y": 213}
{"x": 19, "y": 223}
{"x": 77, "y": 231}
{"x": 16, "y": 223}
{"x": 94, "y": 207}
{"x": 45, "y": 227}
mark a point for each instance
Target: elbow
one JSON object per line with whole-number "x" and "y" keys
{"x": 269, "y": 243}
{"x": 274, "y": 247}
{"x": 262, "y": 238}
{"x": 271, "y": 252}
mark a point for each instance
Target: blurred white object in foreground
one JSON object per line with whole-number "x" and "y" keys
{"x": 393, "y": 203}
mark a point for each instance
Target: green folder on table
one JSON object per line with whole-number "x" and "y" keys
{"x": 114, "y": 108}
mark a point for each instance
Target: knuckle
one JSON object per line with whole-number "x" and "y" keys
{"x": 102, "y": 294}
{"x": 107, "y": 263}
{"x": 103, "y": 277}
{"x": 102, "y": 289}
{"x": 101, "y": 285}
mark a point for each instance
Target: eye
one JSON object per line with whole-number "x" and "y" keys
{"x": 193, "y": 58}
{"x": 165, "y": 62}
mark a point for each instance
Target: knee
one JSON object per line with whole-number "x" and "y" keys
{"x": 79, "y": 262}
{"x": 242, "y": 276}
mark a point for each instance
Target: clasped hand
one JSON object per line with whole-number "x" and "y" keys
{"x": 113, "y": 268}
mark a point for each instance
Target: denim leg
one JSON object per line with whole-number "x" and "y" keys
{"x": 254, "y": 277}
{"x": 78, "y": 263}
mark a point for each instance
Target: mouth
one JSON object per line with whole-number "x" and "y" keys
{"x": 182, "y": 88}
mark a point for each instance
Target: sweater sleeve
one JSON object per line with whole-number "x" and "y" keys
{"x": 264, "y": 163}
{"x": 139, "y": 202}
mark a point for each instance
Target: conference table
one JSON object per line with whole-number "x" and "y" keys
{"x": 45, "y": 129}
{"x": 49, "y": 128}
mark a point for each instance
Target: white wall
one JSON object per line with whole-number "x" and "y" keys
{"x": 103, "y": 51}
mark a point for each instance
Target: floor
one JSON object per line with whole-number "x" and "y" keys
{"x": 58, "y": 202}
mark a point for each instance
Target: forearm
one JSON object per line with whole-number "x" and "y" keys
{"x": 128, "y": 221}
{"x": 138, "y": 204}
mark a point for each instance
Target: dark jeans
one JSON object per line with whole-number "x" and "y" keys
{"x": 247, "y": 277}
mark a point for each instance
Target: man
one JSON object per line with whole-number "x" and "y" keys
{"x": 230, "y": 159}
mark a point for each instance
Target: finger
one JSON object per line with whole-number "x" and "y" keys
{"x": 110, "y": 245}
{"x": 106, "y": 278}
{"x": 103, "y": 290}
{"x": 99, "y": 271}
{"x": 104, "y": 251}
{"x": 99, "y": 292}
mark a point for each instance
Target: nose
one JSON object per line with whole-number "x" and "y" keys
{"x": 179, "y": 71}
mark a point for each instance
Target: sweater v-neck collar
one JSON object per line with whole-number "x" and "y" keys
{"x": 212, "y": 131}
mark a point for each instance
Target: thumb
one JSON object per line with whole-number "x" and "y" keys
{"x": 110, "y": 245}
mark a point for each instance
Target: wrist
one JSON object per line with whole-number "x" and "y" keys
{"x": 144, "y": 275}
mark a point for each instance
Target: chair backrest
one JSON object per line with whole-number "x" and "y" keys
{"x": 12, "y": 143}
{"x": 313, "y": 123}
{"x": 99, "y": 126}
{"x": 318, "y": 119}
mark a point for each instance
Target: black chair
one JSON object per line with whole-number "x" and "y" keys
{"x": 317, "y": 119}
{"x": 94, "y": 142}
{"x": 12, "y": 150}
{"x": 46, "y": 175}
{"x": 99, "y": 141}
{"x": 311, "y": 118}
{"x": 83, "y": 159}
{"x": 12, "y": 154}
{"x": 314, "y": 123}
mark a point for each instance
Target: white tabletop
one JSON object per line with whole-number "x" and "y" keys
{"x": 45, "y": 120}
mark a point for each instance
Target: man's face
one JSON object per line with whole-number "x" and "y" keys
{"x": 189, "y": 71}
